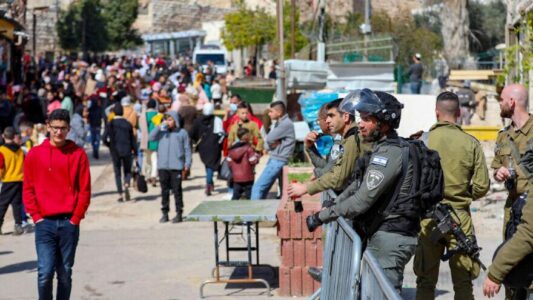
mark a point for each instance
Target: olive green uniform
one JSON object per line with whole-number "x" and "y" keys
{"x": 323, "y": 165}
{"x": 520, "y": 137}
{"x": 348, "y": 151}
{"x": 466, "y": 178}
{"x": 392, "y": 249}
{"x": 518, "y": 247}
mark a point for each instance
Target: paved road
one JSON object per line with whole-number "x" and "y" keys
{"x": 124, "y": 253}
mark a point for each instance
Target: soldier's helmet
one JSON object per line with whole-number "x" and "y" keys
{"x": 351, "y": 100}
{"x": 384, "y": 106}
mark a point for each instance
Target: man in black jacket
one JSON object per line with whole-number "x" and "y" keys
{"x": 119, "y": 137}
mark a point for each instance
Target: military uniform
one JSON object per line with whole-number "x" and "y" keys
{"x": 394, "y": 242}
{"x": 466, "y": 178}
{"x": 503, "y": 152}
{"x": 519, "y": 246}
{"x": 345, "y": 155}
{"x": 323, "y": 165}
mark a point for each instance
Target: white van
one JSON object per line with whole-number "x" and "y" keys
{"x": 211, "y": 53}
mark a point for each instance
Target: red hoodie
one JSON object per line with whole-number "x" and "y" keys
{"x": 57, "y": 181}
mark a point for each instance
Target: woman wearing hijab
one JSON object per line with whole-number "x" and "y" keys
{"x": 207, "y": 135}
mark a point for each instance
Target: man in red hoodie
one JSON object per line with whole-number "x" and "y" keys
{"x": 56, "y": 193}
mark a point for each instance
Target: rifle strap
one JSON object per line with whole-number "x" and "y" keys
{"x": 515, "y": 153}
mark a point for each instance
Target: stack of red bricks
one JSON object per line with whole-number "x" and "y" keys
{"x": 300, "y": 249}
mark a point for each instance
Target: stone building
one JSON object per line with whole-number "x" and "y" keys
{"x": 166, "y": 16}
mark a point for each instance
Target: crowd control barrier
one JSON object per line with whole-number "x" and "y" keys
{"x": 347, "y": 273}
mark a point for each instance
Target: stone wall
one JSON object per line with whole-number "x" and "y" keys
{"x": 45, "y": 31}
{"x": 176, "y": 15}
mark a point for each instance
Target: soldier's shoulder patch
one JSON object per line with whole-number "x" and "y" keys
{"x": 379, "y": 160}
{"x": 336, "y": 151}
{"x": 374, "y": 179}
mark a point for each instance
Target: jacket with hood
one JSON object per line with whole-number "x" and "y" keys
{"x": 57, "y": 181}
{"x": 242, "y": 160}
{"x": 209, "y": 147}
{"x": 11, "y": 163}
{"x": 78, "y": 130}
{"x": 174, "y": 149}
{"x": 119, "y": 137}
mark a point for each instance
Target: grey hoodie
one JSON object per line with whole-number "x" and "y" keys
{"x": 282, "y": 135}
{"x": 174, "y": 150}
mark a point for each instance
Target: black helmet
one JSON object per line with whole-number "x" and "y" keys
{"x": 385, "y": 107}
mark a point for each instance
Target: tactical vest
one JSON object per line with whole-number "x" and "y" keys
{"x": 418, "y": 197}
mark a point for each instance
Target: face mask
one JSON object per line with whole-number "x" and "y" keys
{"x": 233, "y": 107}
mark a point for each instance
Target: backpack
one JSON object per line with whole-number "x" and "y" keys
{"x": 426, "y": 190}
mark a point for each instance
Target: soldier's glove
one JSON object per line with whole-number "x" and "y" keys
{"x": 313, "y": 222}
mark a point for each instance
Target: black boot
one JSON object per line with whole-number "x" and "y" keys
{"x": 164, "y": 218}
{"x": 178, "y": 218}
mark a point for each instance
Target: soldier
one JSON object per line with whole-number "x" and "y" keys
{"x": 321, "y": 165}
{"x": 466, "y": 178}
{"x": 512, "y": 143}
{"x": 340, "y": 120}
{"x": 513, "y": 253}
{"x": 467, "y": 100}
{"x": 391, "y": 239}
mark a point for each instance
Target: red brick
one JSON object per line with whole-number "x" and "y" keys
{"x": 296, "y": 225}
{"x": 319, "y": 253}
{"x": 316, "y": 285}
{"x": 299, "y": 253}
{"x": 308, "y": 286}
{"x": 284, "y": 230}
{"x": 305, "y": 232}
{"x": 310, "y": 253}
{"x": 287, "y": 253}
{"x": 284, "y": 281}
{"x": 296, "y": 281}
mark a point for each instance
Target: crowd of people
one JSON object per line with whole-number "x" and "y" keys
{"x": 154, "y": 113}
{"x": 142, "y": 108}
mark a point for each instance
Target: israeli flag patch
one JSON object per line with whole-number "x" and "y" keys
{"x": 380, "y": 161}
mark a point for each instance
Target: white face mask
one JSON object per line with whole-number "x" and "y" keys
{"x": 233, "y": 107}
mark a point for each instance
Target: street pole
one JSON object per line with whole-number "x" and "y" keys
{"x": 34, "y": 37}
{"x": 367, "y": 22}
{"x": 282, "y": 90}
{"x": 293, "y": 27}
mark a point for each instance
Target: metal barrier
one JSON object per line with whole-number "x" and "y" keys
{"x": 374, "y": 284}
{"x": 344, "y": 270}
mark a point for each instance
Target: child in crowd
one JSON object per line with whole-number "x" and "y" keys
{"x": 242, "y": 159}
{"x": 244, "y": 122}
{"x": 11, "y": 174}
{"x": 26, "y": 131}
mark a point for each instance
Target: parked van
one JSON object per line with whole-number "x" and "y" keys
{"x": 212, "y": 53}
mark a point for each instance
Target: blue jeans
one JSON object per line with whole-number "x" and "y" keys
{"x": 95, "y": 140}
{"x": 416, "y": 86}
{"x": 266, "y": 180}
{"x": 55, "y": 240}
{"x": 209, "y": 175}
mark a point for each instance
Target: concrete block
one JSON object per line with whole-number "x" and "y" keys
{"x": 284, "y": 281}
{"x": 287, "y": 253}
{"x": 296, "y": 281}
{"x": 299, "y": 253}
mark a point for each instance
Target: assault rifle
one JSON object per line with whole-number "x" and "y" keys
{"x": 442, "y": 215}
